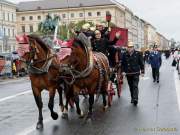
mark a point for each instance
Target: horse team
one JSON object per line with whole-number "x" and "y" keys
{"x": 81, "y": 70}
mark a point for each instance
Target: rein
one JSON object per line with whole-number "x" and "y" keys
{"x": 44, "y": 69}
{"x": 47, "y": 61}
{"x": 80, "y": 74}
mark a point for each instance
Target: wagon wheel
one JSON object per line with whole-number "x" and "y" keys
{"x": 111, "y": 93}
{"x": 119, "y": 82}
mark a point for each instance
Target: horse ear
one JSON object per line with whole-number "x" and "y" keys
{"x": 35, "y": 57}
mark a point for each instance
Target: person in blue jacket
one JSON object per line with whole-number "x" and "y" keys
{"x": 155, "y": 61}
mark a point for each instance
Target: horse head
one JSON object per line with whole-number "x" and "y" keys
{"x": 79, "y": 51}
{"x": 38, "y": 48}
{"x": 80, "y": 59}
{"x": 39, "y": 57}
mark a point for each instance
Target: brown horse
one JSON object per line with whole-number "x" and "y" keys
{"x": 88, "y": 70}
{"x": 43, "y": 73}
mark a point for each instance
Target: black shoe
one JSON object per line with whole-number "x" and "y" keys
{"x": 157, "y": 81}
{"x": 135, "y": 102}
{"x": 154, "y": 80}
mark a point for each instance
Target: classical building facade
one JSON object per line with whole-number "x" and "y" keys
{"x": 162, "y": 42}
{"x": 141, "y": 27}
{"x": 128, "y": 23}
{"x": 149, "y": 35}
{"x": 30, "y": 14}
{"x": 7, "y": 26}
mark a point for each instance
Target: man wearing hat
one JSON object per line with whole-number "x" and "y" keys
{"x": 132, "y": 66}
{"x": 86, "y": 29}
{"x": 155, "y": 61}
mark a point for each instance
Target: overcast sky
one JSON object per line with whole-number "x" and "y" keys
{"x": 163, "y": 14}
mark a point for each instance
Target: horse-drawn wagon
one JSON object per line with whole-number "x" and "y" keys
{"x": 80, "y": 69}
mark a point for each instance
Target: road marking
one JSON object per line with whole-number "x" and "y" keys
{"x": 13, "y": 81}
{"x": 177, "y": 85}
{"x": 144, "y": 78}
{"x": 33, "y": 127}
{"x": 16, "y": 95}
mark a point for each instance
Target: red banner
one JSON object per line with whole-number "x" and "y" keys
{"x": 123, "y": 35}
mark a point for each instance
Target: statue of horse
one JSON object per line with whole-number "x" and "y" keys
{"x": 88, "y": 70}
{"x": 43, "y": 73}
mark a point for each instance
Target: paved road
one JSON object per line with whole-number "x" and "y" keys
{"x": 157, "y": 112}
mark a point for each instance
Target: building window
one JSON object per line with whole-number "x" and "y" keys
{"x": 8, "y": 17}
{"x": 30, "y": 28}
{"x": 98, "y": 13}
{"x": 64, "y": 15}
{"x": 4, "y": 31}
{"x": 12, "y": 17}
{"x": 9, "y": 33}
{"x": 30, "y": 17}
{"x": 0, "y": 48}
{"x": 72, "y": 15}
{"x": 4, "y": 18}
{"x": 108, "y": 12}
{"x": 89, "y": 14}
{"x": 80, "y": 14}
{"x": 23, "y": 18}
{"x": 14, "y": 47}
{"x": 23, "y": 28}
{"x": 13, "y": 34}
{"x": 1, "y": 33}
{"x": 39, "y": 17}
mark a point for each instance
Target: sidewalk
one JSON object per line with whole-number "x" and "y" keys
{"x": 12, "y": 80}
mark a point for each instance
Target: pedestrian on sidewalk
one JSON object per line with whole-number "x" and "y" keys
{"x": 133, "y": 66}
{"x": 155, "y": 61}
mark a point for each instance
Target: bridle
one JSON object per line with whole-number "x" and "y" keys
{"x": 76, "y": 74}
{"x": 31, "y": 62}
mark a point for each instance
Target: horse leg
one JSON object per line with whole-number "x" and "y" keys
{"x": 65, "y": 111}
{"x": 38, "y": 100}
{"x": 105, "y": 106}
{"x": 54, "y": 115}
{"x": 60, "y": 99}
{"x": 79, "y": 111}
{"x": 91, "y": 102}
{"x": 104, "y": 94}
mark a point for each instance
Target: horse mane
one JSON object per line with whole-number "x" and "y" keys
{"x": 77, "y": 42}
{"x": 39, "y": 41}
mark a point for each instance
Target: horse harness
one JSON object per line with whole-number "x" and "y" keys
{"x": 44, "y": 69}
{"x": 95, "y": 62}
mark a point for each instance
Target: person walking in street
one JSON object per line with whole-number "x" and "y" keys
{"x": 146, "y": 56}
{"x": 133, "y": 66}
{"x": 155, "y": 61}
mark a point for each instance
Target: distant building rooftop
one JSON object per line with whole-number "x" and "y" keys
{"x": 59, "y": 4}
{"x": 7, "y": 2}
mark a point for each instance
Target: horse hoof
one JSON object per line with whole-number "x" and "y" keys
{"x": 89, "y": 116}
{"x": 54, "y": 116}
{"x": 89, "y": 120}
{"x": 62, "y": 108}
{"x": 81, "y": 115}
{"x": 105, "y": 108}
{"x": 64, "y": 116}
{"x": 39, "y": 126}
